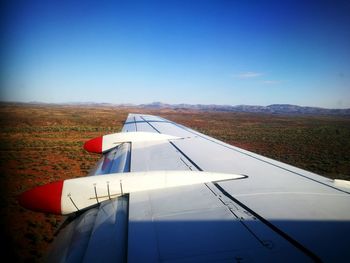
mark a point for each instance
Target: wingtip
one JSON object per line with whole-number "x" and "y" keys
{"x": 45, "y": 198}
{"x": 94, "y": 145}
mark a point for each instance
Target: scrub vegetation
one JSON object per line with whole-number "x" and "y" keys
{"x": 43, "y": 143}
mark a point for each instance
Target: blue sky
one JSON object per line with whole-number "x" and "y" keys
{"x": 209, "y": 52}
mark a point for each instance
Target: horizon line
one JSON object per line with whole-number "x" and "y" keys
{"x": 161, "y": 103}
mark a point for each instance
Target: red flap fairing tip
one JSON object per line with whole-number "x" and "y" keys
{"x": 45, "y": 198}
{"x": 94, "y": 145}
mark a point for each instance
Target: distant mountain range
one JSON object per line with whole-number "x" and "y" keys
{"x": 272, "y": 109}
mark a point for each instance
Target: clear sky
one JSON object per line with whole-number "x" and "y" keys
{"x": 208, "y": 52}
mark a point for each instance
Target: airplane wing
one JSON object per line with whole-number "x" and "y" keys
{"x": 163, "y": 192}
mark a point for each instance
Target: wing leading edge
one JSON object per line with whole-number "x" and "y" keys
{"x": 275, "y": 212}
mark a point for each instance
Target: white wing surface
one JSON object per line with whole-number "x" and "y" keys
{"x": 262, "y": 211}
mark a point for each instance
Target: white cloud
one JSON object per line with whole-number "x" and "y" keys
{"x": 248, "y": 75}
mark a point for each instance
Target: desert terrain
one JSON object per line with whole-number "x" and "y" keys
{"x": 43, "y": 143}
